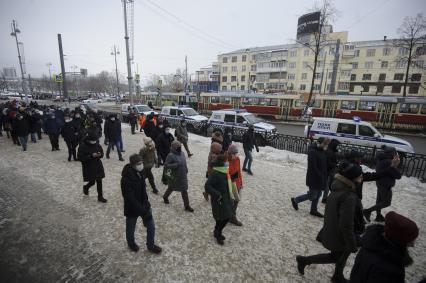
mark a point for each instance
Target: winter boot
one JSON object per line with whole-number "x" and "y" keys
{"x": 134, "y": 247}
{"x": 189, "y": 209}
{"x": 85, "y": 190}
{"x": 101, "y": 199}
{"x": 317, "y": 214}
{"x": 294, "y": 204}
{"x": 301, "y": 264}
{"x": 155, "y": 249}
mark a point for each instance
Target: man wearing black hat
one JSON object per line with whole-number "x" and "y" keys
{"x": 338, "y": 232}
{"x": 387, "y": 167}
{"x": 136, "y": 204}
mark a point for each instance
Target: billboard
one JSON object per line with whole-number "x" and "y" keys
{"x": 308, "y": 23}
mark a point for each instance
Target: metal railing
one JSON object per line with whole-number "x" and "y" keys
{"x": 412, "y": 164}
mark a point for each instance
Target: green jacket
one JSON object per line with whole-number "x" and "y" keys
{"x": 217, "y": 187}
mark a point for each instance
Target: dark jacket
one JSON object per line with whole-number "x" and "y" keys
{"x": 338, "y": 232}
{"x": 69, "y": 132}
{"x": 388, "y": 174}
{"x": 163, "y": 143}
{"x": 217, "y": 187}
{"x": 151, "y": 130}
{"x": 316, "y": 176}
{"x": 113, "y": 130}
{"x": 92, "y": 167}
{"x": 249, "y": 142}
{"x": 21, "y": 126}
{"x": 133, "y": 189}
{"x": 227, "y": 139}
{"x": 51, "y": 126}
{"x": 378, "y": 261}
{"x": 133, "y": 119}
{"x": 35, "y": 122}
{"x": 181, "y": 133}
{"x": 177, "y": 162}
{"x": 331, "y": 154}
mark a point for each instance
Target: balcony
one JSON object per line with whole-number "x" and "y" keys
{"x": 271, "y": 69}
{"x": 348, "y": 53}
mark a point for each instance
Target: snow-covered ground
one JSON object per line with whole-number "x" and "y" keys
{"x": 263, "y": 250}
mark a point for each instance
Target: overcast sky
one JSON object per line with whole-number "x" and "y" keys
{"x": 167, "y": 30}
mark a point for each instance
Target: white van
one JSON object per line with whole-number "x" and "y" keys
{"x": 354, "y": 132}
{"x": 182, "y": 112}
{"x": 141, "y": 108}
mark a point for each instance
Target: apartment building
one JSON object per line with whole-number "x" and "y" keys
{"x": 363, "y": 67}
{"x": 206, "y": 79}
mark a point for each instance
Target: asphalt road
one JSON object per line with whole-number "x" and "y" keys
{"x": 419, "y": 143}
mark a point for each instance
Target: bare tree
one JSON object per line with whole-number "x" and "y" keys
{"x": 328, "y": 14}
{"x": 412, "y": 43}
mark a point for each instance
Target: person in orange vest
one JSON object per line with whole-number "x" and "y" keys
{"x": 236, "y": 178}
{"x": 142, "y": 121}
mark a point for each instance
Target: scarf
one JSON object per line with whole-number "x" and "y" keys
{"x": 225, "y": 170}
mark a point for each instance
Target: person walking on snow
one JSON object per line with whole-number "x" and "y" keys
{"x": 113, "y": 129}
{"x": 236, "y": 178}
{"x": 249, "y": 142}
{"x": 181, "y": 133}
{"x": 70, "y": 134}
{"x": 136, "y": 204}
{"x": 331, "y": 154}
{"x": 149, "y": 159}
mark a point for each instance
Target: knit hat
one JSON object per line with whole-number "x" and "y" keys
{"x": 233, "y": 149}
{"x": 399, "y": 229}
{"x": 175, "y": 145}
{"x": 147, "y": 140}
{"x": 351, "y": 170}
{"x": 135, "y": 159}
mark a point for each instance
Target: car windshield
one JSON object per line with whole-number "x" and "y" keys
{"x": 252, "y": 119}
{"x": 189, "y": 112}
{"x": 143, "y": 108}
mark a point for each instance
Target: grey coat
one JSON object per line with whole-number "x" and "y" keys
{"x": 177, "y": 162}
{"x": 181, "y": 133}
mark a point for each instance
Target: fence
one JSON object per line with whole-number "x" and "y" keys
{"x": 412, "y": 164}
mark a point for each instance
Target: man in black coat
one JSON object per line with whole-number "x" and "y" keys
{"x": 133, "y": 120}
{"x": 384, "y": 254}
{"x": 35, "y": 124}
{"x": 70, "y": 134}
{"x": 113, "y": 131}
{"x": 136, "y": 204}
{"x": 249, "y": 142}
{"x": 387, "y": 168}
{"x": 90, "y": 153}
{"x": 316, "y": 176}
{"x": 331, "y": 154}
{"x": 22, "y": 130}
{"x": 163, "y": 144}
{"x": 150, "y": 129}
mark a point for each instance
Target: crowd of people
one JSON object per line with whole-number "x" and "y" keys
{"x": 382, "y": 249}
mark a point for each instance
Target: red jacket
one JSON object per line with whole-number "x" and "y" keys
{"x": 234, "y": 167}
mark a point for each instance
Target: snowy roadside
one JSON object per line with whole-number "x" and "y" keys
{"x": 263, "y": 250}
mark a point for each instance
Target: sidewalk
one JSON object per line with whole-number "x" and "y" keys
{"x": 50, "y": 231}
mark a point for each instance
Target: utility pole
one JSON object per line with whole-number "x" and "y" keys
{"x": 115, "y": 52}
{"x": 29, "y": 84}
{"x": 14, "y": 33}
{"x": 186, "y": 79}
{"x": 61, "y": 57}
{"x": 50, "y": 77}
{"x": 126, "y": 37}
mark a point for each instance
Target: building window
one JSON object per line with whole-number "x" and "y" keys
{"x": 344, "y": 128}
{"x": 234, "y": 59}
{"x": 317, "y": 87}
{"x": 403, "y": 51}
{"x": 233, "y": 78}
{"x": 331, "y": 51}
{"x": 253, "y": 68}
{"x": 349, "y": 47}
{"x": 419, "y": 64}
{"x": 413, "y": 89}
{"x": 352, "y": 88}
{"x": 367, "y": 105}
{"x": 396, "y": 88}
{"x": 384, "y": 64}
{"x": 292, "y": 65}
{"x": 400, "y": 64}
{"x": 380, "y": 88}
{"x": 353, "y": 77}
{"x": 304, "y": 76}
{"x": 386, "y": 51}
{"x": 368, "y": 65}
{"x": 243, "y": 78}
{"x": 365, "y": 88}
{"x": 356, "y": 53}
{"x": 291, "y": 76}
{"x": 306, "y": 52}
{"x": 342, "y": 86}
{"x": 416, "y": 77}
{"x": 348, "y": 105}
{"x": 354, "y": 65}
{"x": 243, "y": 58}
{"x": 225, "y": 60}
{"x": 371, "y": 52}
{"x": 409, "y": 108}
{"x": 224, "y": 87}
{"x": 224, "y": 69}
{"x": 233, "y": 88}
{"x": 234, "y": 69}
{"x": 253, "y": 57}
{"x": 382, "y": 77}
{"x": 302, "y": 87}
{"x": 366, "y": 77}
{"x": 293, "y": 53}
{"x": 305, "y": 65}
{"x": 398, "y": 77}
{"x": 345, "y": 73}
{"x": 224, "y": 79}
{"x": 318, "y": 76}
{"x": 252, "y": 78}
{"x": 243, "y": 87}
{"x": 243, "y": 68}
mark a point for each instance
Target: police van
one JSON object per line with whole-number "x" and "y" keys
{"x": 182, "y": 112}
{"x": 241, "y": 119}
{"x": 141, "y": 108}
{"x": 355, "y": 132}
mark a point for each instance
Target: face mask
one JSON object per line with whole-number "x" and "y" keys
{"x": 139, "y": 167}
{"x": 92, "y": 142}
{"x": 113, "y": 119}
{"x": 167, "y": 131}
{"x": 20, "y": 118}
{"x": 160, "y": 126}
{"x": 178, "y": 149}
{"x": 67, "y": 120}
{"x": 53, "y": 116}
{"x": 77, "y": 116}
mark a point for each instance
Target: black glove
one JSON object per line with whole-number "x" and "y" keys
{"x": 146, "y": 218}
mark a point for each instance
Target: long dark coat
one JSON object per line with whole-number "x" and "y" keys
{"x": 92, "y": 167}
{"x": 69, "y": 132}
{"x": 163, "y": 144}
{"x": 177, "y": 162}
{"x": 113, "y": 130}
{"x": 35, "y": 122}
{"x": 133, "y": 189}
{"x": 316, "y": 175}
{"x": 217, "y": 186}
{"x": 22, "y": 127}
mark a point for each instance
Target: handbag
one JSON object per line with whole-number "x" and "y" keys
{"x": 168, "y": 176}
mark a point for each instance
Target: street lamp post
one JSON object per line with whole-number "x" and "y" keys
{"x": 14, "y": 33}
{"x": 74, "y": 67}
{"x": 116, "y": 52}
{"x": 50, "y": 77}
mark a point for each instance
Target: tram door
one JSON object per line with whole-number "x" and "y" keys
{"x": 330, "y": 108}
{"x": 386, "y": 114}
{"x": 285, "y": 109}
{"x": 236, "y": 102}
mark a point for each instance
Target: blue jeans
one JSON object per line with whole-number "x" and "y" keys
{"x": 120, "y": 141}
{"x": 130, "y": 231}
{"x": 33, "y": 137}
{"x": 313, "y": 196}
{"x": 117, "y": 145}
{"x": 247, "y": 159}
{"x": 23, "y": 140}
